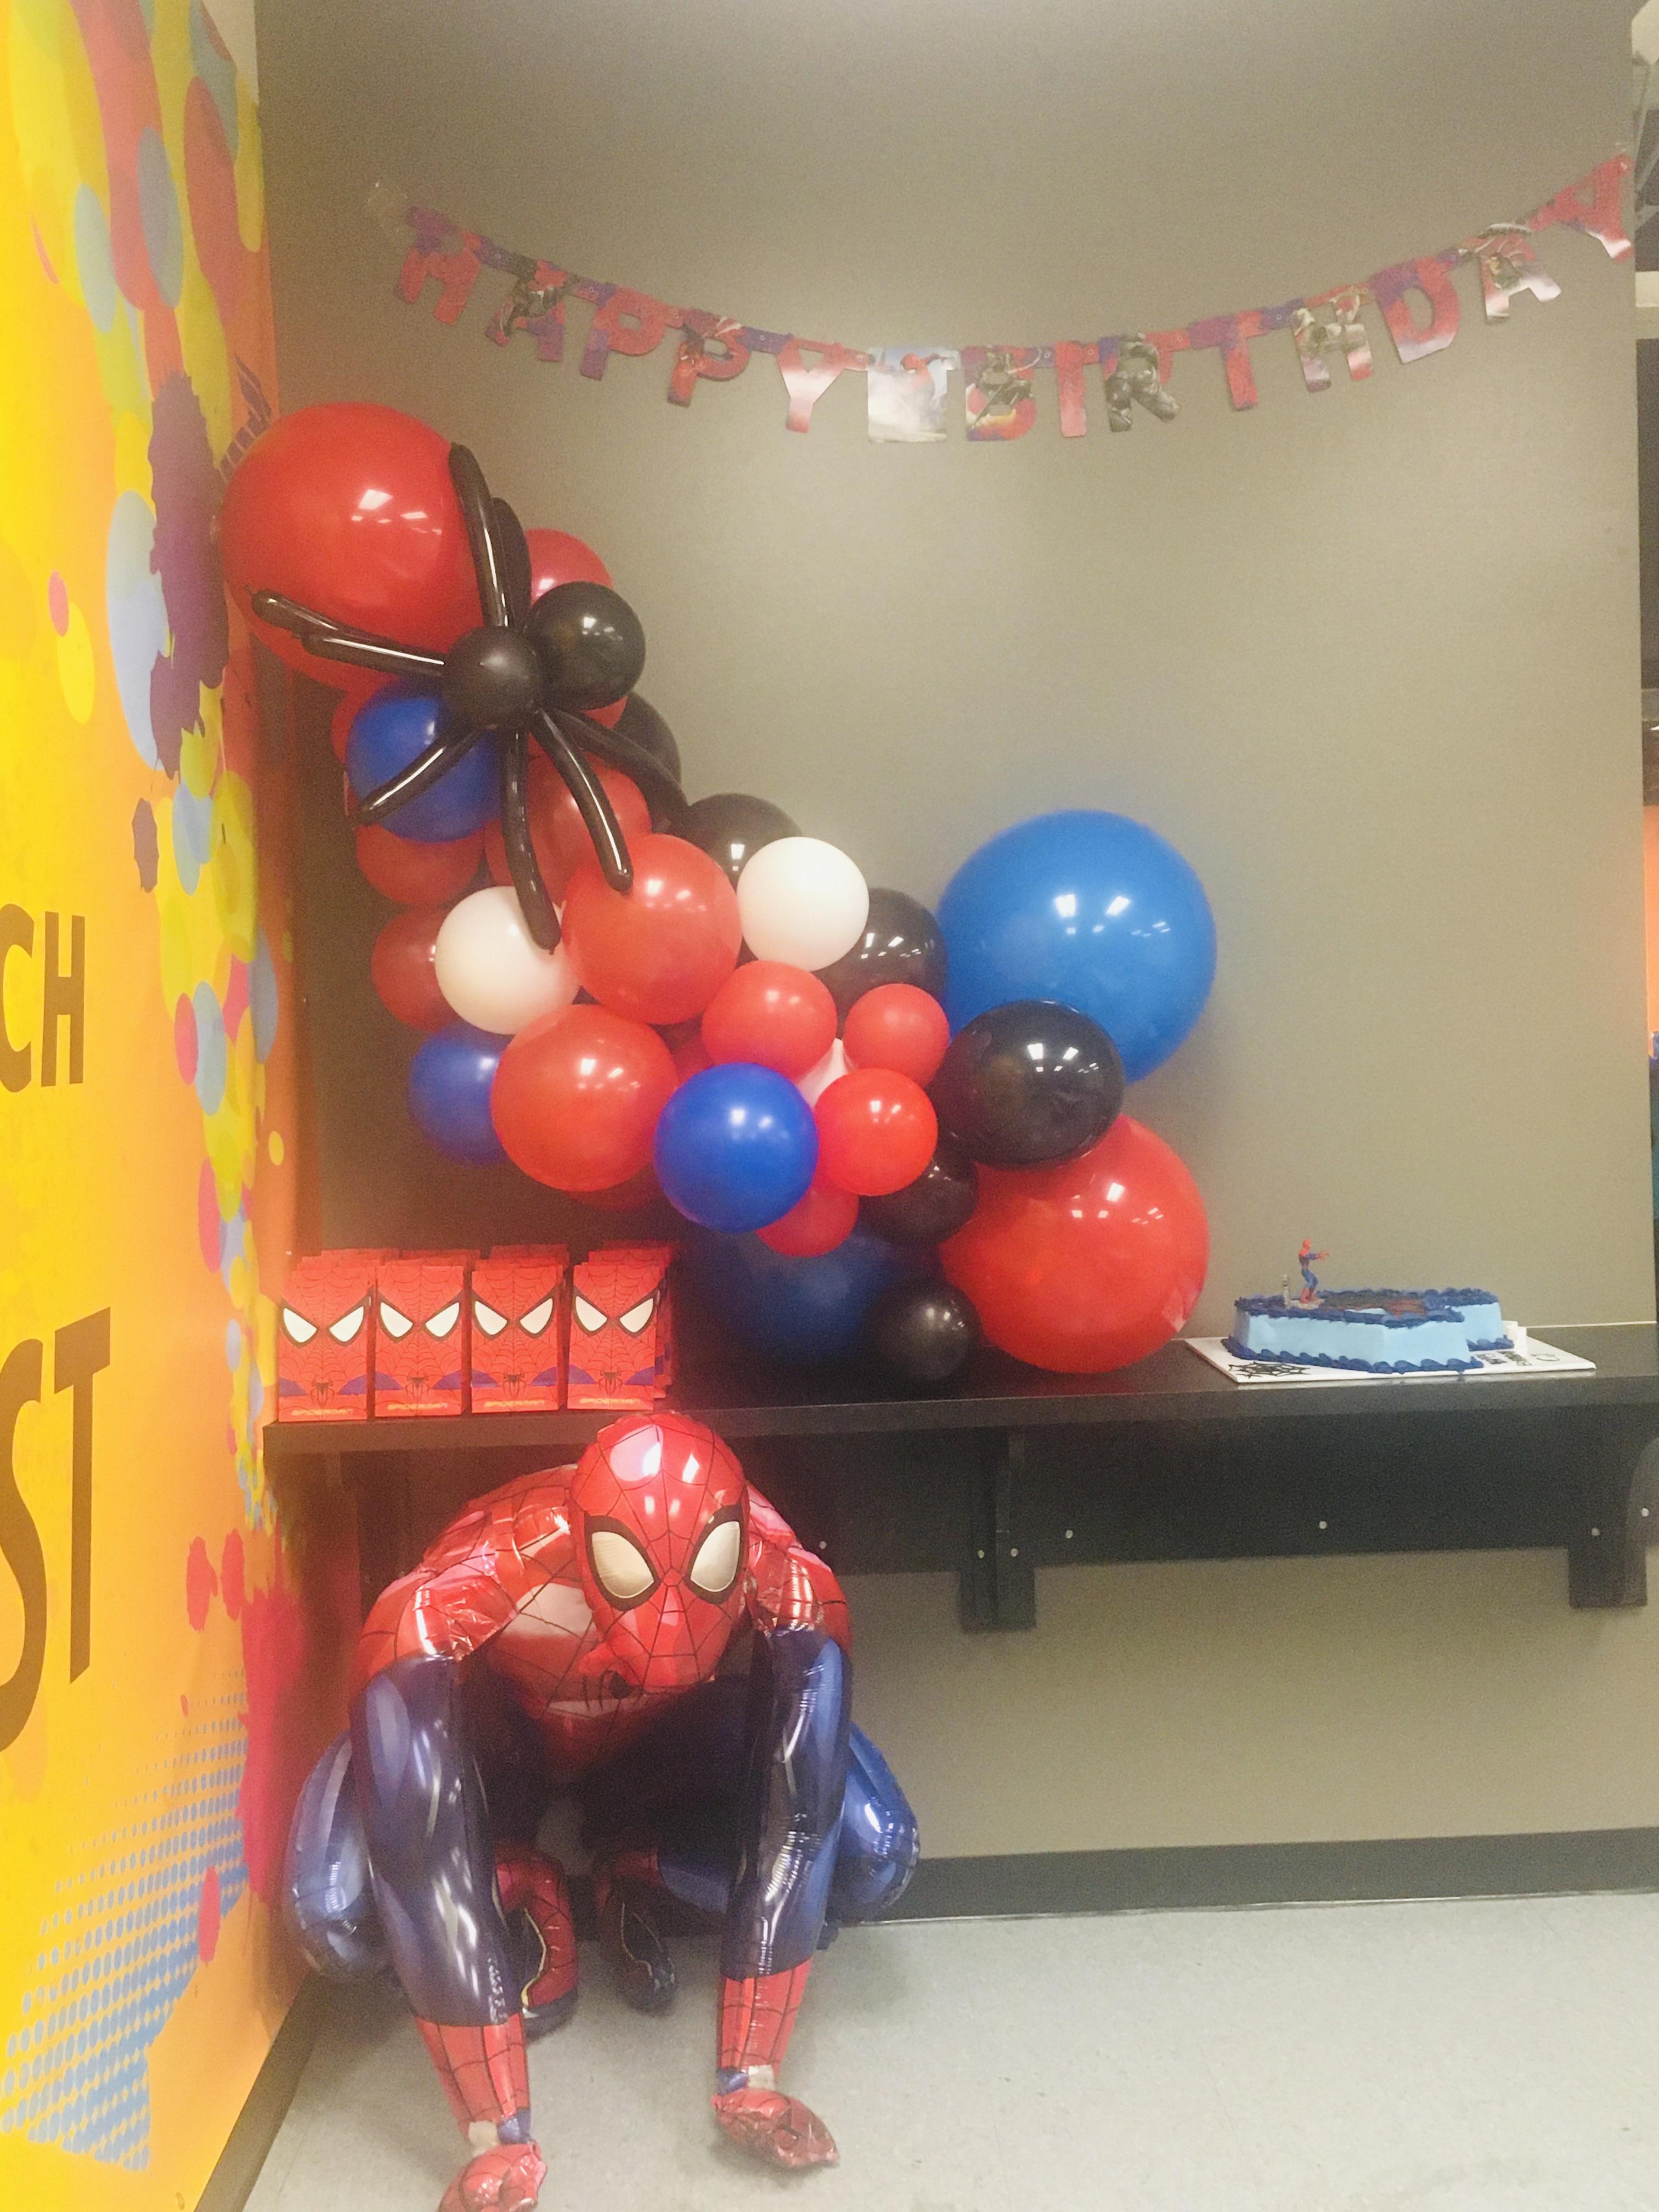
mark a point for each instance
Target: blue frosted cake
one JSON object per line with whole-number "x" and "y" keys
{"x": 1371, "y": 1332}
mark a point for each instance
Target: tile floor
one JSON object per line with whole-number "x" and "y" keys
{"x": 1499, "y": 2055}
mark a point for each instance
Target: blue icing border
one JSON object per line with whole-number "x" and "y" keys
{"x": 1443, "y": 1320}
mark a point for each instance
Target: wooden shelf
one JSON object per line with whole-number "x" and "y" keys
{"x": 1006, "y": 1468}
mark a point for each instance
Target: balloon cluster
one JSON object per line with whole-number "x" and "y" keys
{"x": 888, "y": 1130}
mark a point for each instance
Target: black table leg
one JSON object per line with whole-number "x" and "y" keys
{"x": 1613, "y": 1512}
{"x": 999, "y": 1588}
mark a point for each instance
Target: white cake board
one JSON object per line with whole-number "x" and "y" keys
{"x": 1528, "y": 1356}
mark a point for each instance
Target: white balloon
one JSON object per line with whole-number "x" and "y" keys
{"x": 823, "y": 1073}
{"x": 802, "y": 901}
{"x": 490, "y": 968}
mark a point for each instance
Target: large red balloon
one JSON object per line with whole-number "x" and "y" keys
{"x": 659, "y": 952}
{"x": 826, "y": 1216}
{"x": 876, "y": 1132}
{"x": 402, "y": 968}
{"x": 899, "y": 1026}
{"x": 1090, "y": 1263}
{"x": 577, "y": 1095}
{"x": 349, "y": 509}
{"x": 415, "y": 874}
{"x": 556, "y": 828}
{"x": 772, "y": 1014}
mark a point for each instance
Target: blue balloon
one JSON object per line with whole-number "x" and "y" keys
{"x": 1089, "y": 908}
{"x": 736, "y": 1146}
{"x": 796, "y": 1309}
{"x": 449, "y": 1085}
{"x": 395, "y": 727}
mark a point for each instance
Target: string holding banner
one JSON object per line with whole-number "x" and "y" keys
{"x": 909, "y": 387}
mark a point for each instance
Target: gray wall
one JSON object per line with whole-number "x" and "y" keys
{"x": 1370, "y": 660}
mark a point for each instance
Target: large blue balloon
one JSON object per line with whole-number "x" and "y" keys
{"x": 735, "y": 1146}
{"x": 796, "y": 1309}
{"x": 396, "y": 727}
{"x": 1089, "y": 908}
{"x": 449, "y": 1085}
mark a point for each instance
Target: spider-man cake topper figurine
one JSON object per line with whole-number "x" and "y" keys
{"x": 564, "y": 1636}
{"x": 528, "y": 672}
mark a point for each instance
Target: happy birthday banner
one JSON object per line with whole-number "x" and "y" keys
{"x": 908, "y": 386}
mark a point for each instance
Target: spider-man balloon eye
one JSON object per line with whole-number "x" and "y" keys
{"x": 636, "y": 1316}
{"x": 537, "y": 1319}
{"x": 720, "y": 1555}
{"x": 296, "y": 1328}
{"x": 621, "y": 1568}
{"x": 348, "y": 1325}
{"x": 395, "y": 1324}
{"x": 445, "y": 1319}
{"x": 589, "y": 1316}
{"x": 491, "y": 1322}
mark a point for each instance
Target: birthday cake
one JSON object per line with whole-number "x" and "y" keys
{"x": 1374, "y": 1332}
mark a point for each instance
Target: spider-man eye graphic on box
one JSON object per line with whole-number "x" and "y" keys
{"x": 325, "y": 1339}
{"x": 622, "y": 1341}
{"x": 421, "y": 1353}
{"x": 517, "y": 1329}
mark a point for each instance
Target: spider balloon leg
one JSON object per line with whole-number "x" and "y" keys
{"x": 478, "y": 513}
{"x": 332, "y": 640}
{"x": 517, "y": 573}
{"x": 420, "y": 776}
{"x": 540, "y": 918}
{"x": 663, "y": 794}
{"x": 609, "y": 845}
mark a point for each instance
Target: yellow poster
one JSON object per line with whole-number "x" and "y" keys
{"x": 161, "y": 1682}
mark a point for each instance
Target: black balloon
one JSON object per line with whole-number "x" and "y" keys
{"x": 1027, "y": 1082}
{"x": 731, "y": 826}
{"x": 932, "y": 1207}
{"x": 491, "y": 675}
{"x": 591, "y": 645}
{"x": 900, "y": 944}
{"x": 922, "y": 1332}
{"x": 641, "y": 722}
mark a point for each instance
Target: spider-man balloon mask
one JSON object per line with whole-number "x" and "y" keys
{"x": 657, "y": 1511}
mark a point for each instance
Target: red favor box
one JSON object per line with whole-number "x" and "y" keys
{"x": 622, "y": 1336}
{"x": 520, "y": 1297}
{"x": 325, "y": 1339}
{"x": 421, "y": 1334}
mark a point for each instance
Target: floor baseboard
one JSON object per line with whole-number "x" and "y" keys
{"x": 1189, "y": 1877}
{"x": 230, "y": 2182}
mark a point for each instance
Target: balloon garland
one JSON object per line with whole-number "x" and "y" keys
{"x": 847, "y": 1099}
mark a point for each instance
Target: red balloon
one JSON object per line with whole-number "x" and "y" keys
{"x": 415, "y": 874}
{"x": 826, "y": 1216}
{"x": 660, "y": 951}
{"x": 556, "y": 558}
{"x": 899, "y": 1026}
{"x": 1090, "y": 1263}
{"x": 556, "y": 828}
{"x": 577, "y": 1095}
{"x": 876, "y": 1132}
{"x": 349, "y": 509}
{"x": 608, "y": 717}
{"x": 773, "y": 1014}
{"x": 401, "y": 966}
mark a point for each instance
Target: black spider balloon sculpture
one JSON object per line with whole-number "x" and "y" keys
{"x": 529, "y": 674}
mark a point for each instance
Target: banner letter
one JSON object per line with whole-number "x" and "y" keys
{"x": 694, "y": 361}
{"x": 1391, "y": 288}
{"x": 625, "y": 322}
{"x": 431, "y": 259}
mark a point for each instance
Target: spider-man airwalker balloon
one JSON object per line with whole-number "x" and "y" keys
{"x": 592, "y": 1605}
